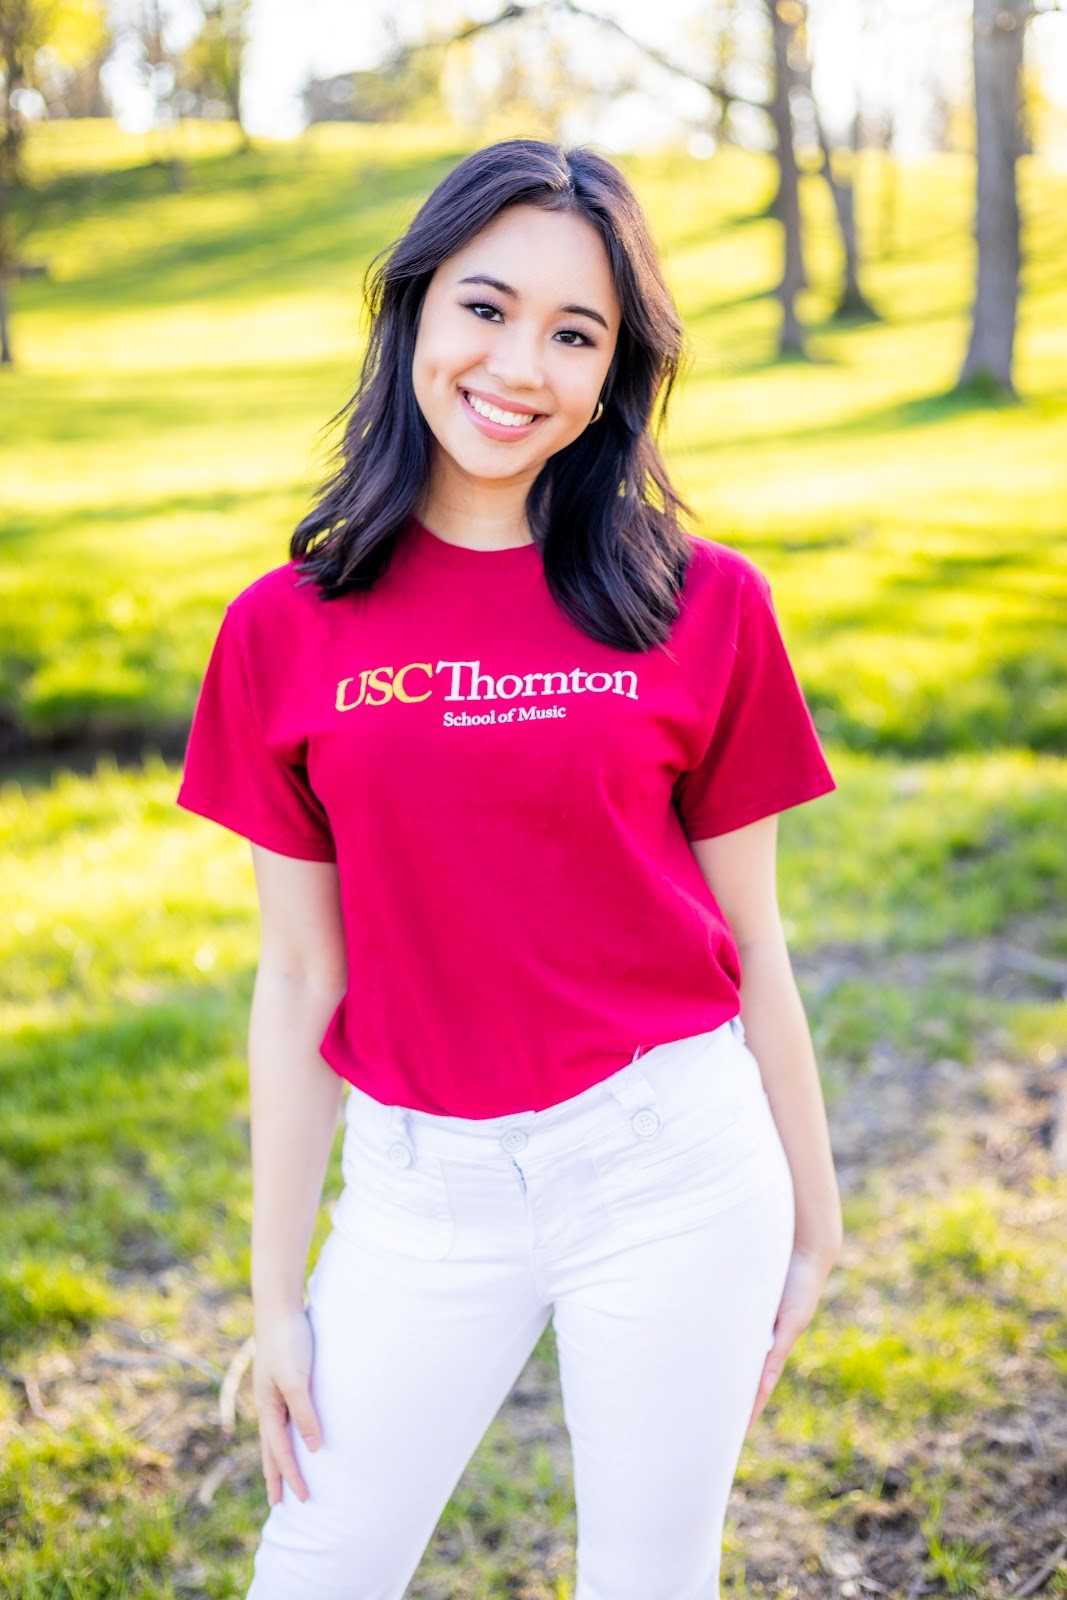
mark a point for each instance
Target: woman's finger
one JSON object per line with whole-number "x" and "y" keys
{"x": 773, "y": 1363}
{"x": 297, "y": 1397}
{"x": 271, "y": 1475}
{"x": 281, "y": 1448}
{"x": 768, "y": 1379}
{"x": 799, "y": 1302}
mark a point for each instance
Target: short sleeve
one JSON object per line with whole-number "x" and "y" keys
{"x": 763, "y": 754}
{"x": 234, "y": 776}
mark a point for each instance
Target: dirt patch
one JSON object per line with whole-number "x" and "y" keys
{"x": 1022, "y": 964}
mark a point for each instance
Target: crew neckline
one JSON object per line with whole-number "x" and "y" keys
{"x": 463, "y": 557}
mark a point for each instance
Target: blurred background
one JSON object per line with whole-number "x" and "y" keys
{"x": 862, "y": 211}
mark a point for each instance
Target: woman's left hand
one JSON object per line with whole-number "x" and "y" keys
{"x": 804, "y": 1280}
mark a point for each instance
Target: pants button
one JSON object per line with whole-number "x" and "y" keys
{"x": 400, "y": 1155}
{"x": 644, "y": 1123}
{"x": 514, "y": 1139}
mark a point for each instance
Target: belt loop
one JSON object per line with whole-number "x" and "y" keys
{"x": 632, "y": 1087}
{"x": 400, "y": 1126}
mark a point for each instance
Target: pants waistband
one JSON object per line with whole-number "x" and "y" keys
{"x": 651, "y": 1076}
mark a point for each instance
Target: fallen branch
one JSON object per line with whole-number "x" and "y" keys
{"x": 33, "y": 1396}
{"x": 134, "y": 1336}
{"x": 148, "y": 1424}
{"x": 163, "y": 1358}
{"x": 232, "y": 1382}
{"x": 1058, "y": 1131}
{"x": 1034, "y": 966}
{"x": 1037, "y": 1578}
{"x": 1037, "y": 1444}
{"x": 222, "y": 1469}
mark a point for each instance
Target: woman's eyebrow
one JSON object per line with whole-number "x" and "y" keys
{"x": 505, "y": 288}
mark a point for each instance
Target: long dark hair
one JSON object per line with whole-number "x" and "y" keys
{"x": 602, "y": 510}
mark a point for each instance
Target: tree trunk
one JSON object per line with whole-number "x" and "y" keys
{"x": 852, "y": 302}
{"x": 6, "y": 356}
{"x": 889, "y": 188}
{"x": 842, "y": 185}
{"x": 791, "y": 337}
{"x": 998, "y": 56}
{"x": 232, "y": 91}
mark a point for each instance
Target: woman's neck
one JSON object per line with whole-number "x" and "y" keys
{"x": 485, "y": 516}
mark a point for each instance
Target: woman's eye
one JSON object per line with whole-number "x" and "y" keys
{"x": 486, "y": 312}
{"x": 478, "y": 306}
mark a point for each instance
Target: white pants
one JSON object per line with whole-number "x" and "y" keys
{"x": 651, "y": 1217}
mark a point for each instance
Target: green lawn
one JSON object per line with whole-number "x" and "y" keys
{"x": 164, "y": 431}
{"x": 160, "y": 437}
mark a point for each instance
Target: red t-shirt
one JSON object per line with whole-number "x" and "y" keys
{"x": 508, "y": 802}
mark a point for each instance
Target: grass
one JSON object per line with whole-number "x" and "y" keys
{"x": 917, "y": 536}
{"x": 162, "y": 435}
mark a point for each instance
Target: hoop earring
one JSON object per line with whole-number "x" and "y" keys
{"x": 599, "y": 412}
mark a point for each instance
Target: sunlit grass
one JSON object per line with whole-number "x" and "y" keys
{"x": 164, "y": 426}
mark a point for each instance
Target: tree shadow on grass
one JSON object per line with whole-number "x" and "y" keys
{"x": 922, "y": 411}
{"x": 125, "y": 1124}
{"x": 310, "y": 219}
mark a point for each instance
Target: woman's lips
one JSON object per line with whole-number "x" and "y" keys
{"x": 498, "y": 430}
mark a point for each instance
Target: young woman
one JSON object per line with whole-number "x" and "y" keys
{"x": 510, "y": 746}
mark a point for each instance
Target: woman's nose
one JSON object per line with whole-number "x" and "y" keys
{"x": 515, "y": 362}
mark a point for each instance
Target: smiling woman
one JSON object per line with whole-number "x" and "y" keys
{"x": 523, "y": 368}
{"x": 508, "y": 925}
{"x": 522, "y": 341}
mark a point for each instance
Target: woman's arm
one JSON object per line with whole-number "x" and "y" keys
{"x": 295, "y": 1098}
{"x": 740, "y": 870}
{"x": 295, "y": 1101}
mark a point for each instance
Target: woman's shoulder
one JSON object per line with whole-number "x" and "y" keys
{"x": 282, "y": 596}
{"x": 719, "y": 571}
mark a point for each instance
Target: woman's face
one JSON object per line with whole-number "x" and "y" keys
{"x": 514, "y": 342}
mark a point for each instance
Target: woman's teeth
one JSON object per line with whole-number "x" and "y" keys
{"x": 508, "y": 419}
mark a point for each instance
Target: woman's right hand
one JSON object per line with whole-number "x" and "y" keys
{"x": 281, "y": 1376}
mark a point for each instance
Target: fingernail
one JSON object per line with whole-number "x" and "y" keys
{"x": 311, "y": 1441}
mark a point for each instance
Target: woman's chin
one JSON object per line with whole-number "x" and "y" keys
{"x": 490, "y": 466}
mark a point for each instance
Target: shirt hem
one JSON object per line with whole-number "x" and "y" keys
{"x": 301, "y": 849}
{"x": 400, "y": 1094}
{"x": 768, "y": 806}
